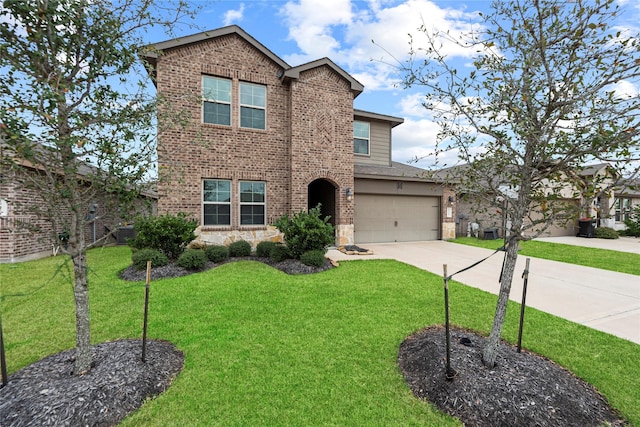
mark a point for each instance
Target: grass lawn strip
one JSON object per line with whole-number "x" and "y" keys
{"x": 262, "y": 347}
{"x": 604, "y": 259}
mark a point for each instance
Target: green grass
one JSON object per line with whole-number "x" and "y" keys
{"x": 265, "y": 348}
{"x": 622, "y": 262}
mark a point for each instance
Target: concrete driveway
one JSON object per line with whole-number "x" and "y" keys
{"x": 600, "y": 299}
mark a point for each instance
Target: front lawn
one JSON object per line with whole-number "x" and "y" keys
{"x": 622, "y": 262}
{"x": 265, "y": 348}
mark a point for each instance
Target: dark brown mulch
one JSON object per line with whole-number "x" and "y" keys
{"x": 48, "y": 394}
{"x": 524, "y": 389}
{"x": 289, "y": 266}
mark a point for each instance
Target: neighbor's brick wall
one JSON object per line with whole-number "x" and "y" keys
{"x": 38, "y": 237}
{"x": 189, "y": 155}
{"x": 449, "y": 213}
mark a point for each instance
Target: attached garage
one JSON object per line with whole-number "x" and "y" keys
{"x": 396, "y": 218}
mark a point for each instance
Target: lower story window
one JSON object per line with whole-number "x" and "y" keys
{"x": 252, "y": 203}
{"x": 216, "y": 199}
{"x": 623, "y": 209}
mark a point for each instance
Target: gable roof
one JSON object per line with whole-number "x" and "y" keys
{"x": 152, "y": 51}
{"x": 294, "y": 73}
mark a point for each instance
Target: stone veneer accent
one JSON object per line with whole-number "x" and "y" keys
{"x": 226, "y": 237}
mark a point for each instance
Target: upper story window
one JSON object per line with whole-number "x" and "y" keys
{"x": 216, "y": 199}
{"x": 252, "y": 203}
{"x": 216, "y": 96}
{"x": 253, "y": 106}
{"x": 361, "y": 138}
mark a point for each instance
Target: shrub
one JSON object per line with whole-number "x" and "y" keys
{"x": 305, "y": 232}
{"x": 217, "y": 253}
{"x": 606, "y": 233}
{"x": 240, "y": 248}
{"x": 167, "y": 233}
{"x": 263, "y": 249}
{"x": 313, "y": 258}
{"x": 279, "y": 253}
{"x": 139, "y": 258}
{"x": 633, "y": 223}
{"x": 192, "y": 259}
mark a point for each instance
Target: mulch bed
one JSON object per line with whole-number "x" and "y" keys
{"x": 289, "y": 266}
{"x": 47, "y": 393}
{"x": 523, "y": 389}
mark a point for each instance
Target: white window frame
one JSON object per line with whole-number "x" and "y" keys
{"x": 361, "y": 138}
{"x": 212, "y": 100}
{"x": 252, "y": 203}
{"x": 252, "y": 106}
{"x": 623, "y": 209}
{"x": 217, "y": 202}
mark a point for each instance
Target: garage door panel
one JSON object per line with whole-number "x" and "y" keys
{"x": 390, "y": 218}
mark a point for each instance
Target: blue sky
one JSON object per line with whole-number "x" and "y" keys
{"x": 299, "y": 31}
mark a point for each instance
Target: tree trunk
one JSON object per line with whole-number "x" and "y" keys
{"x": 77, "y": 250}
{"x": 81, "y": 294}
{"x": 490, "y": 351}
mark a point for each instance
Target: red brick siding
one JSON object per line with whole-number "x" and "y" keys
{"x": 308, "y": 136}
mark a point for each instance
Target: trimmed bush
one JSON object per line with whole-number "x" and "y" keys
{"x": 263, "y": 249}
{"x": 313, "y": 258}
{"x": 167, "y": 233}
{"x": 279, "y": 253}
{"x": 606, "y": 233}
{"x": 139, "y": 258}
{"x": 240, "y": 248}
{"x": 305, "y": 232}
{"x": 192, "y": 259}
{"x": 217, "y": 253}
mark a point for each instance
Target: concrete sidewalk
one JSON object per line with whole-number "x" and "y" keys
{"x": 603, "y": 300}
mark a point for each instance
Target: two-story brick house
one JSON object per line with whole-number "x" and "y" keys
{"x": 266, "y": 139}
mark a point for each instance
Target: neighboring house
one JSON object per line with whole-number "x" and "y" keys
{"x": 24, "y": 235}
{"x": 627, "y": 198}
{"x": 581, "y": 201}
{"x": 267, "y": 139}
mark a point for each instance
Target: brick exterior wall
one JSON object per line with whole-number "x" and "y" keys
{"x": 309, "y": 131}
{"x": 24, "y": 235}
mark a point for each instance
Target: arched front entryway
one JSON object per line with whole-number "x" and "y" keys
{"x": 323, "y": 192}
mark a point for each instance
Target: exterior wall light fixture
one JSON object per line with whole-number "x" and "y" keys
{"x": 349, "y": 194}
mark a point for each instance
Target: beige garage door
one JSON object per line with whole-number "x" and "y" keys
{"x": 386, "y": 218}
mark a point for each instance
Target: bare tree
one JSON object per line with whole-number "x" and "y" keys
{"x": 72, "y": 107}
{"x": 543, "y": 97}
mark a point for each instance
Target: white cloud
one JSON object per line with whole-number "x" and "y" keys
{"x": 5, "y": 16}
{"x": 625, "y": 89}
{"x": 371, "y": 39}
{"x": 234, "y": 15}
{"x": 311, "y": 24}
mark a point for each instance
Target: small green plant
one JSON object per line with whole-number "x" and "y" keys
{"x": 279, "y": 253}
{"x": 169, "y": 234}
{"x": 263, "y": 249}
{"x": 633, "y": 223}
{"x": 240, "y": 248}
{"x": 606, "y": 233}
{"x": 313, "y": 258}
{"x": 306, "y": 232}
{"x": 192, "y": 259}
{"x": 217, "y": 253}
{"x": 139, "y": 258}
